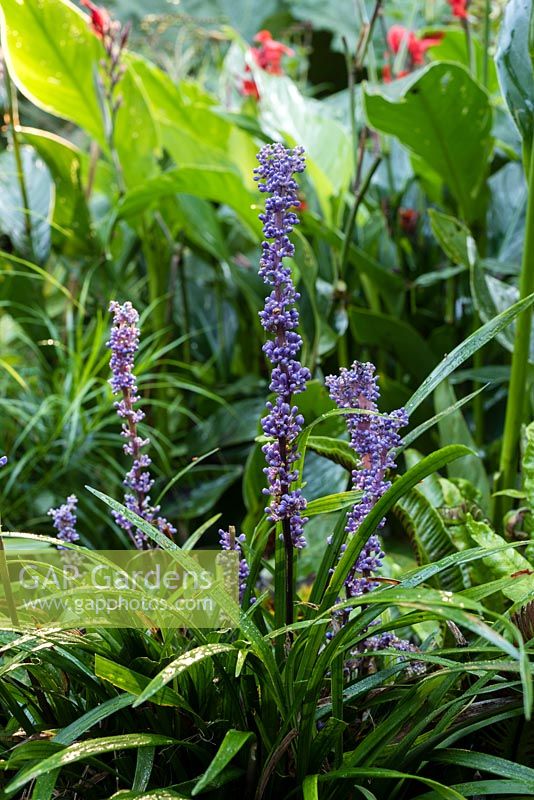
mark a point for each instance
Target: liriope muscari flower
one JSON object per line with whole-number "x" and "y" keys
{"x": 280, "y": 319}
{"x": 388, "y": 640}
{"x": 123, "y": 343}
{"x": 229, "y": 541}
{"x": 64, "y": 520}
{"x": 373, "y": 437}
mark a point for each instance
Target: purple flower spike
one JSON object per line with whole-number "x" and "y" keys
{"x": 64, "y": 520}
{"x": 123, "y": 343}
{"x": 280, "y": 318}
{"x": 373, "y": 437}
{"x": 3, "y": 461}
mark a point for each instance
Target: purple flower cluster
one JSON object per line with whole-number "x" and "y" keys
{"x": 280, "y": 318}
{"x": 3, "y": 461}
{"x": 229, "y": 541}
{"x": 123, "y": 343}
{"x": 390, "y": 640}
{"x": 373, "y": 436}
{"x": 64, "y": 520}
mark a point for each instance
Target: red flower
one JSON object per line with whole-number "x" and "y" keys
{"x": 420, "y": 46}
{"x": 387, "y": 76}
{"x": 399, "y": 37}
{"x": 269, "y": 54}
{"x": 459, "y": 8}
{"x": 408, "y": 219}
{"x": 416, "y": 47}
{"x": 396, "y": 35}
{"x": 100, "y": 19}
{"x": 248, "y": 87}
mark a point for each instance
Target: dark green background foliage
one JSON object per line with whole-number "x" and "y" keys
{"x": 411, "y": 253}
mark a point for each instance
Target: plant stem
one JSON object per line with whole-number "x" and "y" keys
{"x": 6, "y": 581}
{"x": 288, "y": 545}
{"x": 470, "y": 47}
{"x": 517, "y": 392}
{"x": 486, "y": 42}
{"x": 337, "y": 704}
{"x": 351, "y": 222}
{"x": 14, "y": 120}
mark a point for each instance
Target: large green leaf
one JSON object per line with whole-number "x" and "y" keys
{"x": 50, "y": 52}
{"x": 72, "y": 225}
{"x": 491, "y": 295}
{"x": 444, "y": 117}
{"x": 52, "y": 55}
{"x": 218, "y": 183}
{"x": 514, "y": 66}
{"x": 191, "y": 129}
{"x": 13, "y": 216}
{"x": 284, "y": 110}
{"x": 393, "y": 335}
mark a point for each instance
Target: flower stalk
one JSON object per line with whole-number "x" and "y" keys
{"x": 123, "y": 343}
{"x": 517, "y": 392}
{"x": 280, "y": 318}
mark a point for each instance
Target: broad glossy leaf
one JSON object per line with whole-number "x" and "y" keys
{"x": 491, "y": 295}
{"x": 283, "y": 109}
{"x": 190, "y": 128}
{"x": 454, "y": 47}
{"x": 514, "y": 66}
{"x": 394, "y": 336}
{"x": 506, "y": 215}
{"x": 13, "y": 215}
{"x": 51, "y": 54}
{"x": 72, "y": 224}
{"x": 198, "y": 492}
{"x": 217, "y": 183}
{"x": 444, "y": 117}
